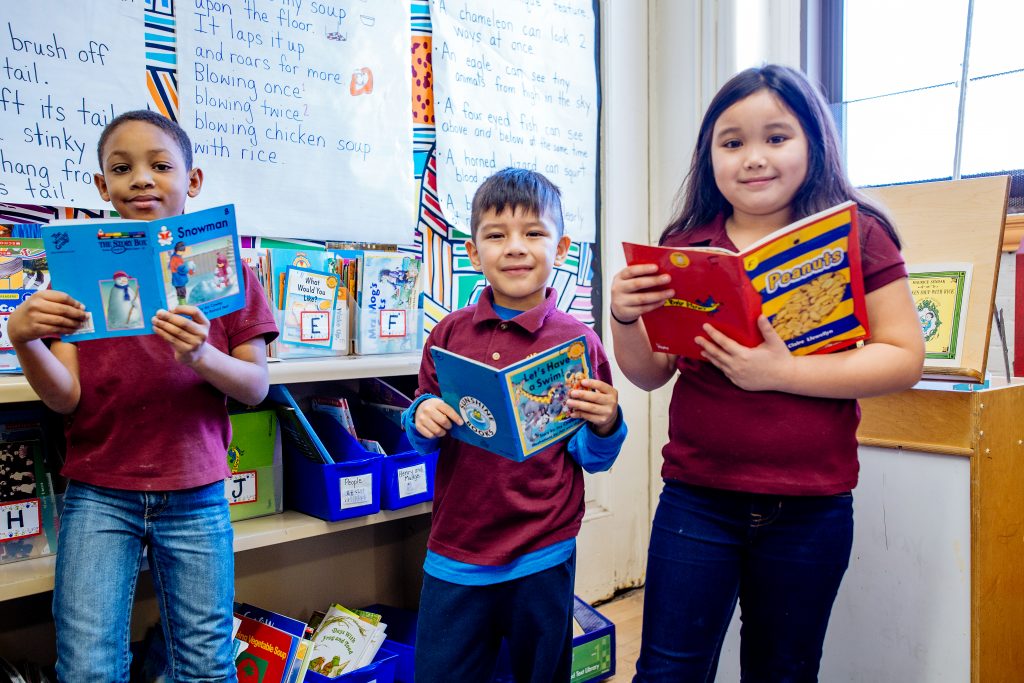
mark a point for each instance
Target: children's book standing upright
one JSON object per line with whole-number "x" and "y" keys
{"x": 23, "y": 271}
{"x": 388, "y": 316}
{"x": 517, "y": 410}
{"x": 805, "y": 278}
{"x": 124, "y": 271}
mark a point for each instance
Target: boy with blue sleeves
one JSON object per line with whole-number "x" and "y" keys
{"x": 501, "y": 556}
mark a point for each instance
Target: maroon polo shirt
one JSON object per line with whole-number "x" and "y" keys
{"x": 489, "y": 510}
{"x": 721, "y": 436}
{"x": 148, "y": 423}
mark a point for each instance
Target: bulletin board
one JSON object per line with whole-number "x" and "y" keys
{"x": 961, "y": 220}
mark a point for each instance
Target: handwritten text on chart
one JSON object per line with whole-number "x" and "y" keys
{"x": 252, "y": 78}
{"x": 315, "y": 90}
{"x": 515, "y": 85}
{"x": 49, "y": 123}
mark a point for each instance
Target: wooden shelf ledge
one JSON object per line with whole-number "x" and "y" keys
{"x": 15, "y": 388}
{"x": 30, "y": 577}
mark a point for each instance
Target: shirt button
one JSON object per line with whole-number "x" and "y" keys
{"x": 504, "y": 326}
{"x": 495, "y": 356}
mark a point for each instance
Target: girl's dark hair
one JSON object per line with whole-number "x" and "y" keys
{"x": 158, "y": 120}
{"x": 826, "y": 183}
{"x": 517, "y": 188}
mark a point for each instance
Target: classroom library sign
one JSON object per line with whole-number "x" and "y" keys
{"x": 66, "y": 69}
{"x": 515, "y": 84}
{"x": 294, "y": 106}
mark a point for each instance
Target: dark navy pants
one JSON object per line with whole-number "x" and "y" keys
{"x": 460, "y": 628}
{"x": 781, "y": 557}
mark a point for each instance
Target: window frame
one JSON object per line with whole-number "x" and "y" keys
{"x": 823, "y": 57}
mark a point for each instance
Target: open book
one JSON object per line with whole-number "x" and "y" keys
{"x": 805, "y": 277}
{"x": 124, "y": 271}
{"x": 517, "y": 410}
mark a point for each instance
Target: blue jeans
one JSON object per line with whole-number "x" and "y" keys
{"x": 187, "y": 536}
{"x": 782, "y": 557}
{"x": 460, "y": 628}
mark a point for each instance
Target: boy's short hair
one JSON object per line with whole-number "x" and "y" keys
{"x": 517, "y": 188}
{"x": 180, "y": 246}
{"x": 158, "y": 120}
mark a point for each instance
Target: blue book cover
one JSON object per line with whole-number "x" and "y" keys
{"x": 125, "y": 271}
{"x": 518, "y": 410}
{"x": 278, "y": 621}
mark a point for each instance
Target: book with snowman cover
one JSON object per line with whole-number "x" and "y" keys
{"x": 805, "y": 278}
{"x": 124, "y": 271}
{"x": 517, "y": 410}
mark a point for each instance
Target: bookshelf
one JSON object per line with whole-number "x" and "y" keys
{"x": 23, "y": 584}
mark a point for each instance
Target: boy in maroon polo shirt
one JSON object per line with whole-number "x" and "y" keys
{"x": 502, "y": 549}
{"x": 147, "y": 434}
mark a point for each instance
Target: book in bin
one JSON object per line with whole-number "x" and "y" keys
{"x": 124, "y": 271}
{"x": 805, "y": 278}
{"x": 517, "y": 410}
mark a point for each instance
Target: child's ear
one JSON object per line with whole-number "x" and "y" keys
{"x": 474, "y": 256}
{"x": 101, "y": 186}
{"x": 562, "y": 249}
{"x": 195, "y": 181}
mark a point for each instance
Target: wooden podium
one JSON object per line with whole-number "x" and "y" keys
{"x": 935, "y": 589}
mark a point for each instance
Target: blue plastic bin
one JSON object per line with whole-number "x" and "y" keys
{"x": 332, "y": 492}
{"x": 407, "y": 477}
{"x": 348, "y": 487}
{"x": 401, "y": 638}
{"x": 382, "y": 670}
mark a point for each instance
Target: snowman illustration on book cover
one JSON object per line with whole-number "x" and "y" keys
{"x": 124, "y": 310}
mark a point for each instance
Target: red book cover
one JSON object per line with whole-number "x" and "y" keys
{"x": 266, "y": 656}
{"x": 805, "y": 277}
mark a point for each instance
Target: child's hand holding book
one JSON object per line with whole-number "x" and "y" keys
{"x": 47, "y": 313}
{"x": 596, "y": 402}
{"x": 434, "y": 418}
{"x": 639, "y": 289}
{"x": 186, "y": 329}
{"x": 765, "y": 367}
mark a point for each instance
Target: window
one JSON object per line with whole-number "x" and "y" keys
{"x": 907, "y": 109}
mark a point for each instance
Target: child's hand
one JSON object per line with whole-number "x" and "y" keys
{"x": 634, "y": 291}
{"x": 186, "y": 337}
{"x": 762, "y": 368}
{"x": 434, "y": 418}
{"x": 596, "y": 402}
{"x": 45, "y": 314}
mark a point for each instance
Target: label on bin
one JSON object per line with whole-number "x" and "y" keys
{"x": 241, "y": 488}
{"x": 20, "y": 519}
{"x": 356, "y": 491}
{"x": 412, "y": 480}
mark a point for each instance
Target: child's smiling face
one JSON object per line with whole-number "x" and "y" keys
{"x": 516, "y": 250}
{"x": 144, "y": 174}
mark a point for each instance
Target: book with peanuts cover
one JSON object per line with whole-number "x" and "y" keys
{"x": 805, "y": 278}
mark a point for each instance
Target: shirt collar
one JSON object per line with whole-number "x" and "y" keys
{"x": 711, "y": 234}
{"x": 530, "y": 320}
